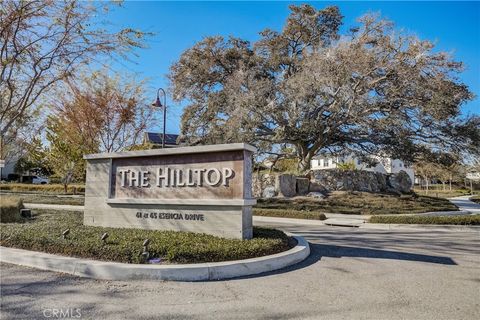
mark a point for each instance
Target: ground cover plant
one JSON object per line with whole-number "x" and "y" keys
{"x": 441, "y": 220}
{"x": 44, "y": 233}
{"x": 439, "y": 193}
{"x": 360, "y": 203}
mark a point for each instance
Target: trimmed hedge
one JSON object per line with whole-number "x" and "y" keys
{"x": 43, "y": 233}
{"x": 295, "y": 214}
{"x": 41, "y": 188}
{"x": 10, "y": 209}
{"x": 441, "y": 220}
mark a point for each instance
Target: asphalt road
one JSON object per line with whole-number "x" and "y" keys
{"x": 351, "y": 274}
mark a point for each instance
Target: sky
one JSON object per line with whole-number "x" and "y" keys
{"x": 453, "y": 26}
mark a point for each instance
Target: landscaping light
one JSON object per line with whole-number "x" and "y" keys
{"x": 65, "y": 233}
{"x": 104, "y": 237}
{"x": 145, "y": 254}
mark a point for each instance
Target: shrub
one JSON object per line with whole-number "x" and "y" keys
{"x": 441, "y": 220}
{"x": 43, "y": 233}
{"x": 285, "y": 213}
{"x": 10, "y": 209}
{"x": 41, "y": 188}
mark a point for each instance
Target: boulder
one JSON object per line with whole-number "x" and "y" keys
{"x": 317, "y": 195}
{"x": 260, "y": 182}
{"x": 400, "y": 182}
{"x": 316, "y": 187}
{"x": 349, "y": 180}
{"x": 286, "y": 185}
{"x": 302, "y": 186}
{"x": 269, "y": 192}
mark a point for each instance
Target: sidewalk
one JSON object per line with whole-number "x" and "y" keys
{"x": 53, "y": 206}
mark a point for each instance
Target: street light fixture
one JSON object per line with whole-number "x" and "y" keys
{"x": 158, "y": 104}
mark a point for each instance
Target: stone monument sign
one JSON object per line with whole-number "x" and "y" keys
{"x": 203, "y": 189}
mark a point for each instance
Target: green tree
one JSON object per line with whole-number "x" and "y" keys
{"x": 64, "y": 154}
{"x": 375, "y": 90}
{"x": 34, "y": 158}
{"x": 346, "y": 166}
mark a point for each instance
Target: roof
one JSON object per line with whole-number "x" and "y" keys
{"x": 157, "y": 138}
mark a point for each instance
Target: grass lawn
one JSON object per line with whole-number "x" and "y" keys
{"x": 43, "y": 233}
{"x": 284, "y": 213}
{"x": 442, "y": 220}
{"x": 360, "y": 203}
{"x": 47, "y": 198}
{"x": 440, "y": 193}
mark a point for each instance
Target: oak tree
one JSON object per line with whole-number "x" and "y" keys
{"x": 372, "y": 90}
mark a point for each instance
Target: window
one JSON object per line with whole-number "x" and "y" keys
{"x": 325, "y": 162}
{"x": 359, "y": 162}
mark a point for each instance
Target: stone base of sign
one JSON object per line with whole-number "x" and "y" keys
{"x": 222, "y": 221}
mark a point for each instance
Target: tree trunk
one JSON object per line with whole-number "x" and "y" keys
{"x": 426, "y": 185}
{"x": 304, "y": 164}
{"x": 65, "y": 188}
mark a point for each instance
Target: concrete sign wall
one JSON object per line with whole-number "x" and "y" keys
{"x": 200, "y": 189}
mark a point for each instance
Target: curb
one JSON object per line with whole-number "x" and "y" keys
{"x": 377, "y": 226}
{"x": 183, "y": 272}
{"x": 420, "y": 227}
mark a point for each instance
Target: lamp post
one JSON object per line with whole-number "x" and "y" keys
{"x": 158, "y": 104}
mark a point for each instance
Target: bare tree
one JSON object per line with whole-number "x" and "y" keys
{"x": 43, "y": 43}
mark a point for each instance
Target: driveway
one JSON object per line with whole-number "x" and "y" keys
{"x": 351, "y": 274}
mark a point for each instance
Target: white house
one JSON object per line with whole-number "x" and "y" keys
{"x": 384, "y": 165}
{"x": 473, "y": 175}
